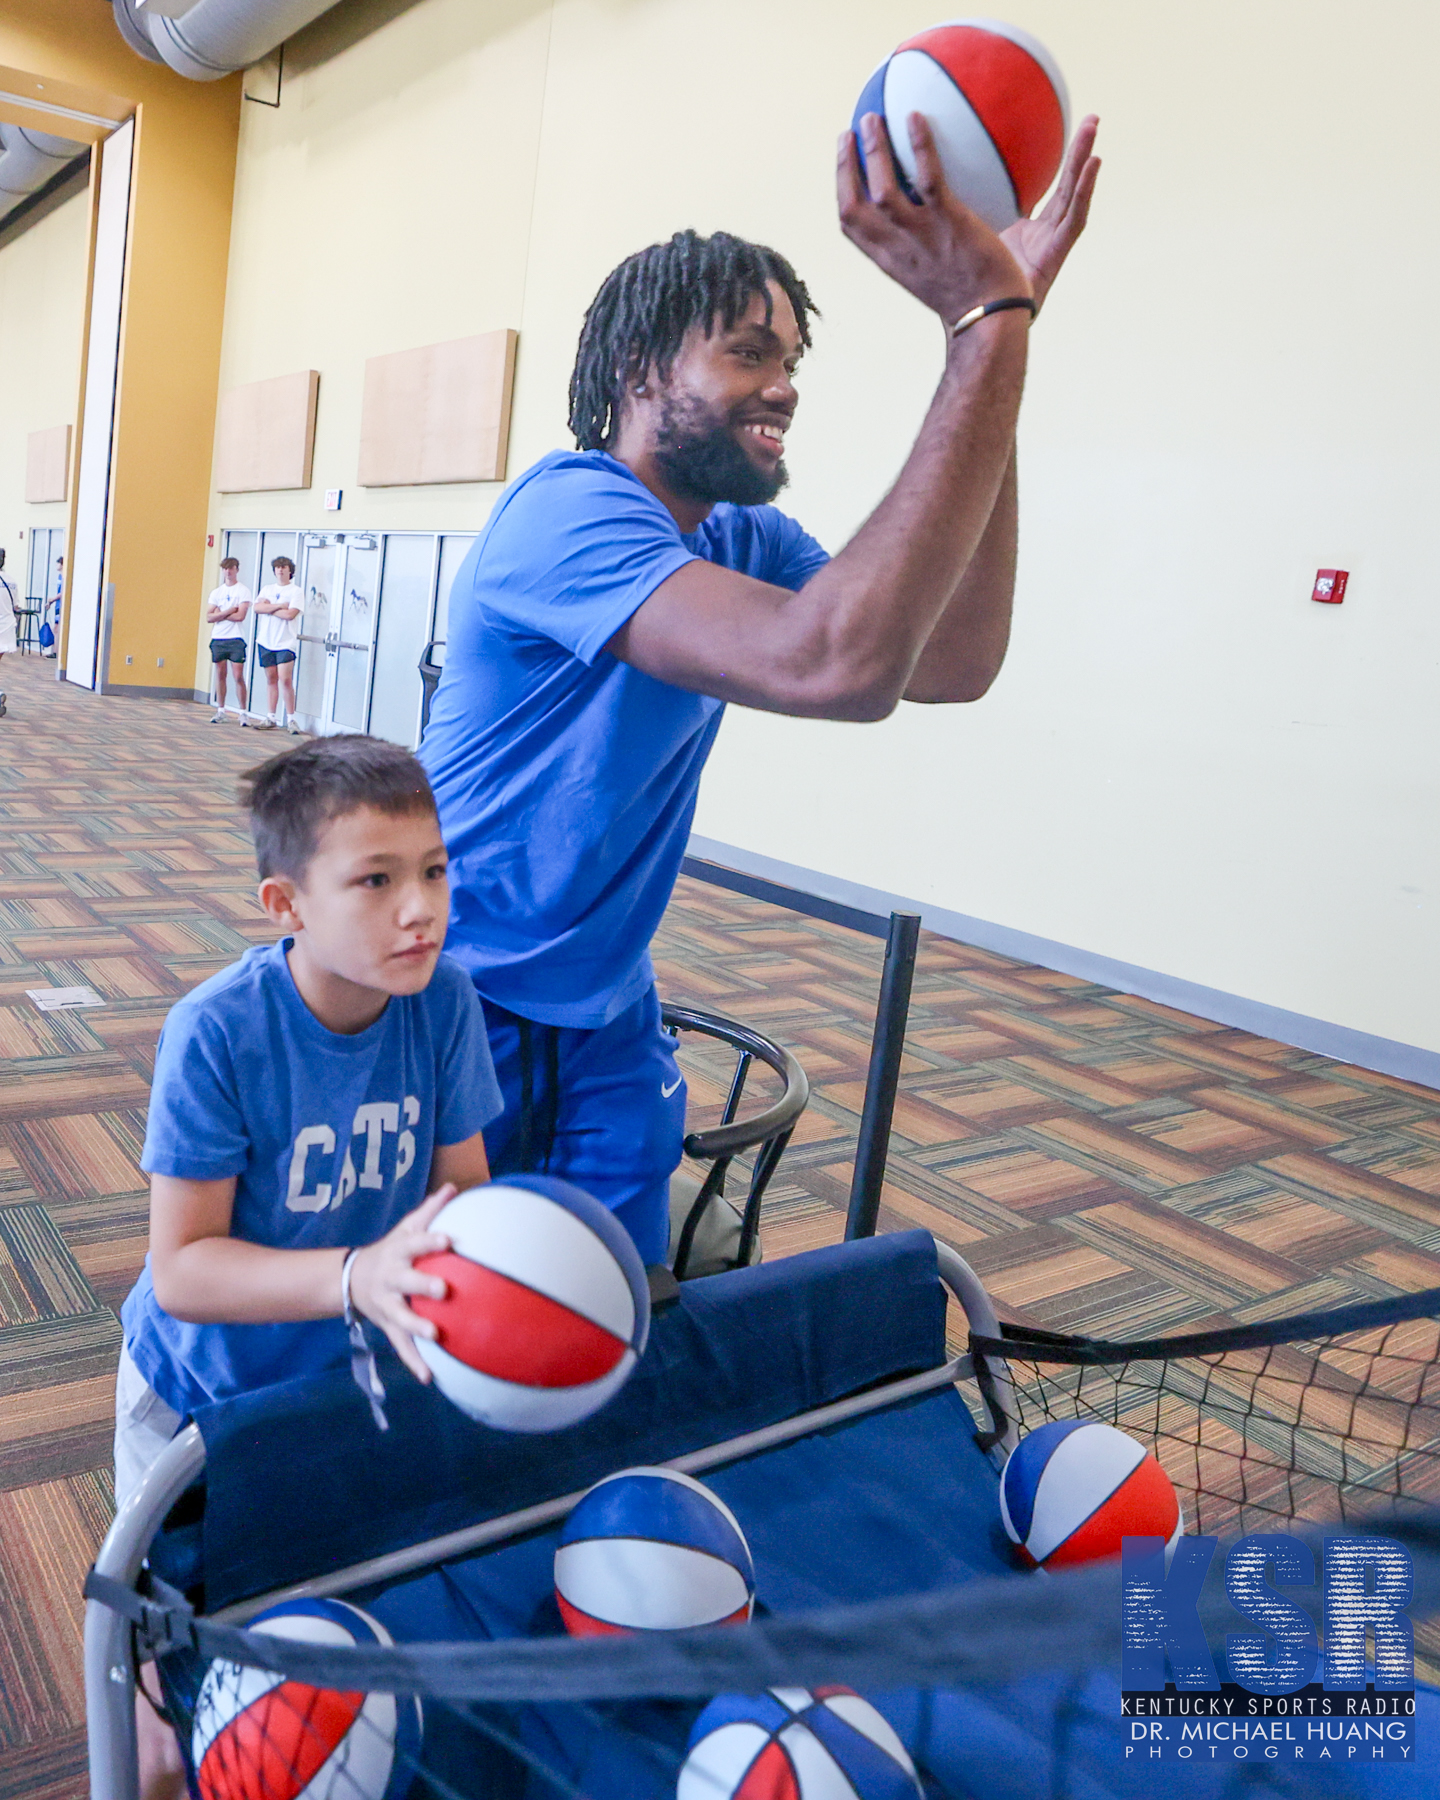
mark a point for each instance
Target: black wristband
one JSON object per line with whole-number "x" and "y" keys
{"x": 1020, "y": 303}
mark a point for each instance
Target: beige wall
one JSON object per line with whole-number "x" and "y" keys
{"x": 42, "y": 317}
{"x": 1186, "y": 765}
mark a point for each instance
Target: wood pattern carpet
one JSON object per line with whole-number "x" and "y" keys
{"x": 1106, "y": 1164}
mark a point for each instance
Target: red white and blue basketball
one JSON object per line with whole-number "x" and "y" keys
{"x": 258, "y": 1736}
{"x": 996, "y": 103}
{"x": 1072, "y": 1490}
{"x": 796, "y": 1744}
{"x": 547, "y": 1308}
{"x": 652, "y": 1550}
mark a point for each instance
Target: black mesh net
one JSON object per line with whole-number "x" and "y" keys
{"x": 1293, "y": 1424}
{"x": 1328, "y": 1416}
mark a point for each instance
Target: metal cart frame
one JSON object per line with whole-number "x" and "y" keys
{"x": 110, "y": 1668}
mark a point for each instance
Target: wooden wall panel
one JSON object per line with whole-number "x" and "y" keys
{"x": 440, "y": 413}
{"x": 265, "y": 434}
{"x": 47, "y": 465}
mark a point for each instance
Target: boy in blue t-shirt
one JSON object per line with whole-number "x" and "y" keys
{"x": 314, "y": 1105}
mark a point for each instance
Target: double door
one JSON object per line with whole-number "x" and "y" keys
{"x": 339, "y": 577}
{"x": 45, "y": 576}
{"x": 371, "y": 603}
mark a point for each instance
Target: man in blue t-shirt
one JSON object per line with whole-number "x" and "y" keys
{"x": 622, "y": 593}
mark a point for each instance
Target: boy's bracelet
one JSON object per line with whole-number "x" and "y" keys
{"x": 362, "y": 1357}
{"x": 347, "y": 1307}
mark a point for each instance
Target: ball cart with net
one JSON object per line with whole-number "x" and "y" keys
{"x": 818, "y": 1398}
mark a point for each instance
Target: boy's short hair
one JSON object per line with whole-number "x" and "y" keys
{"x": 294, "y": 796}
{"x": 229, "y": 562}
{"x": 287, "y": 562}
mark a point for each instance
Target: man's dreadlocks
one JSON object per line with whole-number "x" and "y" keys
{"x": 639, "y": 319}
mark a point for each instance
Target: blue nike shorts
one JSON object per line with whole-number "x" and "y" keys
{"x": 604, "y": 1109}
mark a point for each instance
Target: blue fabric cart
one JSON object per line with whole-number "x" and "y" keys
{"x": 815, "y": 1394}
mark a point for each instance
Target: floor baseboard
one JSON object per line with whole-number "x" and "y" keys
{"x": 868, "y": 909}
{"x": 133, "y": 691}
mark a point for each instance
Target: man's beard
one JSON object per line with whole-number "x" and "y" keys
{"x": 702, "y": 461}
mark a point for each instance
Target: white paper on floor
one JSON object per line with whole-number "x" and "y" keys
{"x": 57, "y": 999}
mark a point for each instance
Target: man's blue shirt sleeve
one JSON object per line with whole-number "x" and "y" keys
{"x": 794, "y": 556}
{"x": 575, "y": 552}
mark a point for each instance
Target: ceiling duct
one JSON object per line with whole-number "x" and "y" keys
{"x": 212, "y": 37}
{"x": 28, "y": 159}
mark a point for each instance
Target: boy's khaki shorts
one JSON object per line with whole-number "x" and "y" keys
{"x": 144, "y": 1425}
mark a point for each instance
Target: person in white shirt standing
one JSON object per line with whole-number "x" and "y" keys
{"x": 226, "y": 611}
{"x": 277, "y": 632}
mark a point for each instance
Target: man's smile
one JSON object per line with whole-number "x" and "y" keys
{"x": 768, "y": 438}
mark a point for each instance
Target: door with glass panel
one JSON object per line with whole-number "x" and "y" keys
{"x": 37, "y": 576}
{"x": 352, "y": 615}
{"x": 44, "y": 578}
{"x": 372, "y": 603}
{"x": 337, "y": 631}
{"x": 407, "y": 596}
{"x": 319, "y": 554}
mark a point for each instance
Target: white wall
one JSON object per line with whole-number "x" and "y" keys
{"x": 1186, "y": 764}
{"x": 42, "y": 314}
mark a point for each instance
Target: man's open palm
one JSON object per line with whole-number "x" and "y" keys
{"x": 1040, "y": 245}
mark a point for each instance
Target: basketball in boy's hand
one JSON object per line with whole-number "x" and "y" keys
{"x": 259, "y": 1736}
{"x": 652, "y": 1550}
{"x": 546, "y": 1311}
{"x": 996, "y": 103}
{"x": 1072, "y": 1490}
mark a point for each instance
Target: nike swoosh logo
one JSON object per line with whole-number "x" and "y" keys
{"x": 666, "y": 1092}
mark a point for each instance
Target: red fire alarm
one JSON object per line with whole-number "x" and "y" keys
{"x": 1330, "y": 586}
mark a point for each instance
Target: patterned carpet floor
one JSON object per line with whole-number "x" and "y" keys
{"x": 1105, "y": 1163}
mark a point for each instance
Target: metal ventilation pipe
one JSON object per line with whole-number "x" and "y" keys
{"x": 27, "y": 161}
{"x": 212, "y": 37}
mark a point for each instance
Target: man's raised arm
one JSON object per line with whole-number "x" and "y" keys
{"x": 963, "y": 654}
{"x": 935, "y": 560}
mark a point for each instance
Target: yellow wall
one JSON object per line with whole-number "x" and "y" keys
{"x": 165, "y": 423}
{"x": 1186, "y": 765}
{"x": 39, "y": 357}
{"x": 182, "y": 186}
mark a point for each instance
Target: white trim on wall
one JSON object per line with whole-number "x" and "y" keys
{"x": 1408, "y": 1062}
{"x": 92, "y": 509}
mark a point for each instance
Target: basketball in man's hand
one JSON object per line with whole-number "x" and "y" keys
{"x": 1073, "y": 1489}
{"x": 996, "y": 103}
{"x": 547, "y": 1308}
